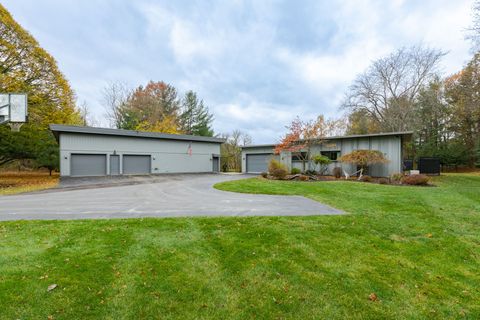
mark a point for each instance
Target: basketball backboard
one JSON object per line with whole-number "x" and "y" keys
{"x": 13, "y": 109}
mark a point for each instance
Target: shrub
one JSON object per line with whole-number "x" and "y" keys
{"x": 322, "y": 162}
{"x": 416, "y": 180}
{"x": 396, "y": 177}
{"x": 295, "y": 171}
{"x": 303, "y": 178}
{"x": 277, "y": 169}
{"x": 366, "y": 178}
{"x": 364, "y": 158}
{"x": 383, "y": 181}
{"x": 274, "y": 164}
{"x": 264, "y": 174}
{"x": 311, "y": 172}
{"x": 279, "y": 173}
{"x": 337, "y": 172}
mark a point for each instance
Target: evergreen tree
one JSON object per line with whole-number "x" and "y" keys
{"x": 195, "y": 118}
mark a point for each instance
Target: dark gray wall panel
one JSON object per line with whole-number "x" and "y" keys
{"x": 136, "y": 164}
{"x": 89, "y": 164}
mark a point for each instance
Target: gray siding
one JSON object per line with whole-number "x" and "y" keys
{"x": 167, "y": 156}
{"x": 390, "y": 146}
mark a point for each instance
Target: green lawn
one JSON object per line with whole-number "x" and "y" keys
{"x": 416, "y": 248}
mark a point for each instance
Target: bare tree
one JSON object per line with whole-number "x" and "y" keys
{"x": 231, "y": 150}
{"x": 473, "y": 33}
{"x": 115, "y": 95}
{"x": 388, "y": 88}
{"x": 88, "y": 119}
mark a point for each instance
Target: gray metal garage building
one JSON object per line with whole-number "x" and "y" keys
{"x": 255, "y": 158}
{"x": 87, "y": 151}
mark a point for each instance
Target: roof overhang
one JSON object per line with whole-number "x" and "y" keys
{"x": 354, "y": 136}
{"x": 57, "y": 129}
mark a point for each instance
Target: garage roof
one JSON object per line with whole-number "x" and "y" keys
{"x": 58, "y": 128}
{"x": 381, "y": 134}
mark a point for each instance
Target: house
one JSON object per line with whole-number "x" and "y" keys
{"x": 87, "y": 151}
{"x": 255, "y": 158}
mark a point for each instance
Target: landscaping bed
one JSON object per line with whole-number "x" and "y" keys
{"x": 397, "y": 180}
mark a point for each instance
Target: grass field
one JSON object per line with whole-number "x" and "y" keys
{"x": 416, "y": 248}
{"x": 12, "y": 182}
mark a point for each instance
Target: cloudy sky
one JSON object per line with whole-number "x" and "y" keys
{"x": 257, "y": 64}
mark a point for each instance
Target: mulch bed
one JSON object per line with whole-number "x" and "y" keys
{"x": 315, "y": 178}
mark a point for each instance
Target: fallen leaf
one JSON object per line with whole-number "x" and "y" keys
{"x": 51, "y": 287}
{"x": 429, "y": 235}
{"x": 373, "y": 297}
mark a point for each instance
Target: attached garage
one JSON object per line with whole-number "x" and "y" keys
{"x": 87, "y": 151}
{"x": 88, "y": 165}
{"x": 136, "y": 164}
{"x": 255, "y": 158}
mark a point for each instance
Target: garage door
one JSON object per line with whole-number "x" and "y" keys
{"x": 257, "y": 163}
{"x": 136, "y": 164}
{"x": 88, "y": 165}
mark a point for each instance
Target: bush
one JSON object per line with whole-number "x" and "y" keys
{"x": 303, "y": 178}
{"x": 296, "y": 171}
{"x": 383, "y": 181}
{"x": 416, "y": 180}
{"x": 279, "y": 173}
{"x": 337, "y": 172}
{"x": 274, "y": 164}
{"x": 311, "y": 172}
{"x": 264, "y": 174}
{"x": 366, "y": 178}
{"x": 277, "y": 169}
{"x": 322, "y": 162}
{"x": 396, "y": 177}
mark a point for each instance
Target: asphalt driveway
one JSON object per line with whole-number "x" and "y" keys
{"x": 165, "y": 196}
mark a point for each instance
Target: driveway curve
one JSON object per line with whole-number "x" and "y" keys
{"x": 167, "y": 196}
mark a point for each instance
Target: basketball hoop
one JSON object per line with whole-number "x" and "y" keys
{"x": 15, "y": 126}
{"x": 13, "y": 110}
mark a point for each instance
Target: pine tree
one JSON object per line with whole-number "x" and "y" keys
{"x": 195, "y": 118}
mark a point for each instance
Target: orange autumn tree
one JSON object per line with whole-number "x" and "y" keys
{"x": 302, "y": 135}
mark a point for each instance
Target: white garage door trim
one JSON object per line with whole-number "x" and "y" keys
{"x": 86, "y": 164}
{"x": 137, "y": 164}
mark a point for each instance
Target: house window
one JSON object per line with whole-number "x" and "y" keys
{"x": 332, "y": 155}
{"x": 299, "y": 156}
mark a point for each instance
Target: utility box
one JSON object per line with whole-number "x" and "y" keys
{"x": 429, "y": 165}
{"x": 407, "y": 165}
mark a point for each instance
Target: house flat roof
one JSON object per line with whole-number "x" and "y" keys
{"x": 58, "y": 128}
{"x": 382, "y": 134}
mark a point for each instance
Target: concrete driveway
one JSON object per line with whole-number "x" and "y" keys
{"x": 163, "y": 196}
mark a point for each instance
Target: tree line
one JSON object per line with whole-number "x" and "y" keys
{"x": 405, "y": 92}
{"x": 157, "y": 107}
{"x": 26, "y": 67}
{"x": 402, "y": 91}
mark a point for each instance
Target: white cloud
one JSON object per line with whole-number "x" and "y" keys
{"x": 257, "y": 64}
